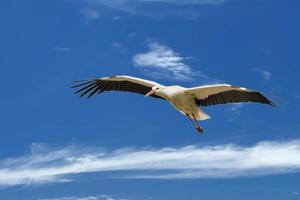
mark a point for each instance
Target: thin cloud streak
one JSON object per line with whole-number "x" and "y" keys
{"x": 90, "y": 13}
{"x": 94, "y": 8}
{"x": 178, "y": 2}
{"x": 61, "y": 49}
{"x": 163, "y": 62}
{"x": 236, "y": 108}
{"x": 265, "y": 74}
{"x": 220, "y": 161}
{"x": 93, "y": 197}
{"x": 122, "y": 4}
{"x": 188, "y": 2}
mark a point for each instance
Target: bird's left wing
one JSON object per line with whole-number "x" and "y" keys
{"x": 114, "y": 83}
{"x": 224, "y": 93}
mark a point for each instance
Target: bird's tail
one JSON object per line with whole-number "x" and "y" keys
{"x": 200, "y": 115}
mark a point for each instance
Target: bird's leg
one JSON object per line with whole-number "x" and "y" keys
{"x": 195, "y": 123}
{"x": 191, "y": 120}
{"x": 198, "y": 127}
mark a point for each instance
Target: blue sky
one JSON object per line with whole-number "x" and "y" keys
{"x": 56, "y": 146}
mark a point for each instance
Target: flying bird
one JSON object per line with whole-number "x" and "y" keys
{"x": 188, "y": 101}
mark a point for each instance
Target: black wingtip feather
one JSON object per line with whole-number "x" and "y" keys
{"x": 233, "y": 97}
{"x": 273, "y": 104}
{"x": 77, "y": 81}
{"x": 91, "y": 87}
{"x": 93, "y": 92}
{"x": 84, "y": 88}
{"x": 81, "y": 84}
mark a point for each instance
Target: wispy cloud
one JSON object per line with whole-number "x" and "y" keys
{"x": 61, "y": 49}
{"x": 265, "y": 74}
{"x": 120, "y": 3}
{"x": 93, "y": 197}
{"x": 188, "y": 2}
{"x": 117, "y": 45}
{"x": 163, "y": 62}
{"x": 296, "y": 193}
{"x": 45, "y": 165}
{"x": 90, "y": 13}
{"x": 93, "y": 8}
{"x": 236, "y": 108}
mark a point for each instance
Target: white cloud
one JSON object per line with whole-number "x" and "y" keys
{"x": 119, "y": 4}
{"x": 94, "y": 197}
{"x": 90, "y": 13}
{"x": 131, "y": 35}
{"x": 163, "y": 62}
{"x": 117, "y": 45}
{"x": 296, "y": 193}
{"x": 138, "y": 7}
{"x": 265, "y": 74}
{"x": 45, "y": 165}
{"x": 61, "y": 49}
{"x": 187, "y": 2}
{"x": 236, "y": 108}
{"x": 115, "y": 18}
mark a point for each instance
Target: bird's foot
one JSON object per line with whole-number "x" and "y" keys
{"x": 199, "y": 129}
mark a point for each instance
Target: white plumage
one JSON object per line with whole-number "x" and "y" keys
{"x": 188, "y": 101}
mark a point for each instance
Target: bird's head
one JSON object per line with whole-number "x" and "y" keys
{"x": 156, "y": 90}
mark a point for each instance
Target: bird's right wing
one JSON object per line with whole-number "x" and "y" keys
{"x": 224, "y": 93}
{"x": 115, "y": 83}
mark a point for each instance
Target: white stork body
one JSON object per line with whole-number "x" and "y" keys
{"x": 185, "y": 100}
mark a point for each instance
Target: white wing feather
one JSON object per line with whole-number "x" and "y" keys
{"x": 131, "y": 79}
{"x": 203, "y": 92}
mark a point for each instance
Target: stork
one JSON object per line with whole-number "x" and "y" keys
{"x": 188, "y": 101}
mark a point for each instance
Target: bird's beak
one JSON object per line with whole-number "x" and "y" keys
{"x": 152, "y": 92}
